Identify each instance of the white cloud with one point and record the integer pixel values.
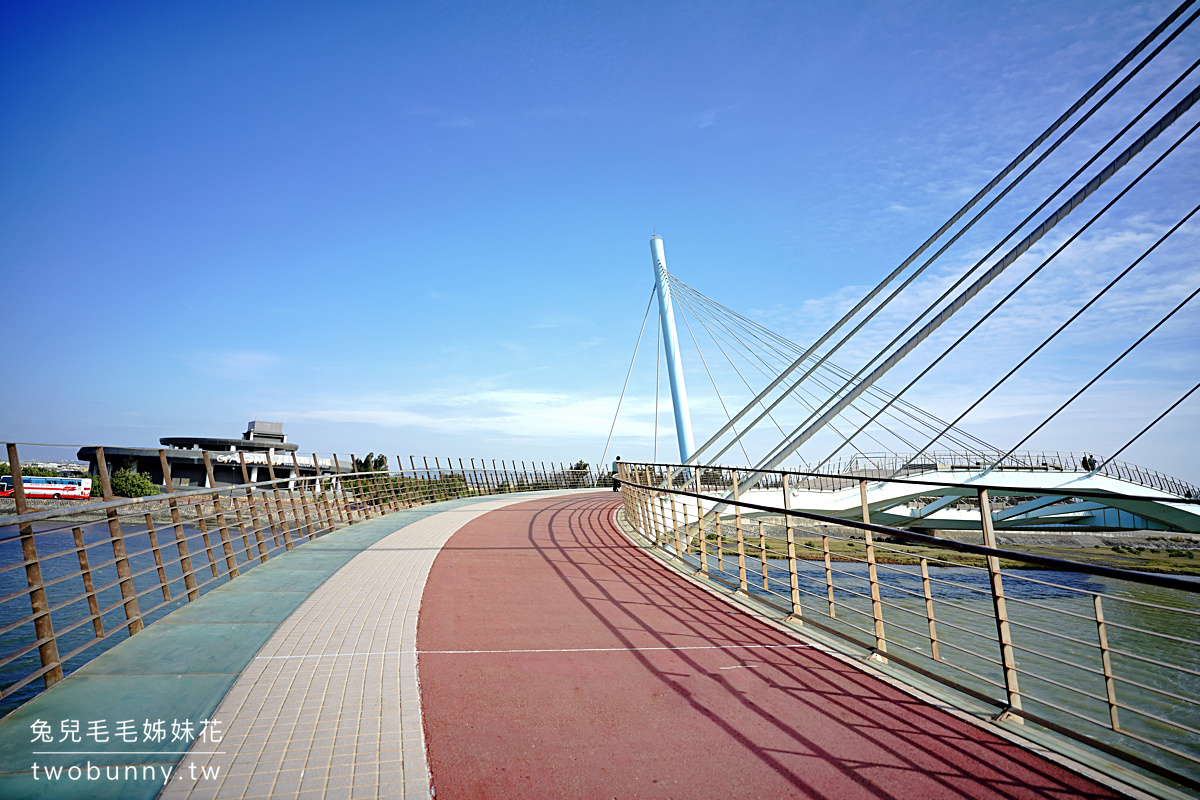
(506, 412)
(708, 118)
(234, 363)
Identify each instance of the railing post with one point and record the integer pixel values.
(872, 574)
(324, 513)
(648, 494)
(630, 495)
(660, 522)
(230, 559)
(212, 559)
(1110, 688)
(487, 477)
(43, 627)
(701, 536)
(720, 547)
(158, 562)
(634, 510)
(341, 485)
(634, 498)
(925, 585)
(645, 505)
(793, 575)
(743, 587)
(395, 487)
(133, 615)
(654, 500)
(687, 539)
(828, 573)
(287, 542)
(303, 497)
(237, 509)
(1007, 656)
(241, 523)
(185, 559)
(762, 554)
(675, 525)
(252, 504)
(88, 587)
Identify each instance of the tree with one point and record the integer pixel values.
(32, 472)
(578, 475)
(371, 463)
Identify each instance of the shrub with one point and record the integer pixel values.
(127, 483)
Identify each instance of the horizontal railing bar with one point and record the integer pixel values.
(1056, 660)
(1191, 701)
(853, 480)
(1154, 661)
(1075, 714)
(12, 688)
(1035, 676)
(1156, 634)
(957, 606)
(29, 648)
(1167, 582)
(207, 493)
(1143, 713)
(1064, 637)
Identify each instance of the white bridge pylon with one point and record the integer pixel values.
(822, 403)
(1033, 493)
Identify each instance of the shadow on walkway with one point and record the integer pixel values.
(586, 669)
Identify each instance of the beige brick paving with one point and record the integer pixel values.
(331, 708)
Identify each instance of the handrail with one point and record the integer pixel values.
(1084, 648)
(1149, 579)
(120, 502)
(165, 550)
(851, 480)
(1064, 461)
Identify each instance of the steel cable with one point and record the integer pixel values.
(1069, 320)
(762, 371)
(1037, 142)
(988, 276)
(1151, 425)
(624, 386)
(1025, 281)
(1102, 372)
(907, 409)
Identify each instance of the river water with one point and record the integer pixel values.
(1152, 636)
(56, 552)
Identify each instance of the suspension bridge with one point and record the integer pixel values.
(802, 622)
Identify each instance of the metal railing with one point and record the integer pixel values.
(78, 579)
(1104, 656)
(895, 465)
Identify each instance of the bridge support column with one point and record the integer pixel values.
(666, 315)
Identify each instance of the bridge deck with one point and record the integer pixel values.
(556, 659)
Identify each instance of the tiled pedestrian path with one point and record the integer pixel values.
(265, 656)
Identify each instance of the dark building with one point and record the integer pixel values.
(263, 444)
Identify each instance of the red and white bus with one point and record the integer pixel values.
(48, 487)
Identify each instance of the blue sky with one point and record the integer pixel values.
(422, 228)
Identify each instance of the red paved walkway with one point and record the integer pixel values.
(554, 575)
